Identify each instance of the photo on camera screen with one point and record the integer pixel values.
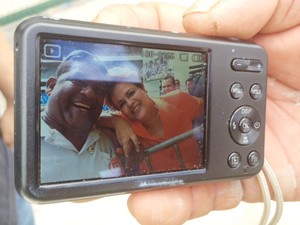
(92, 92)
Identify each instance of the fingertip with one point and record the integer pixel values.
(137, 148)
(117, 15)
(215, 196)
(150, 15)
(136, 143)
(126, 154)
(228, 194)
(165, 206)
(120, 151)
(230, 18)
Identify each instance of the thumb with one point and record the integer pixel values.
(228, 18)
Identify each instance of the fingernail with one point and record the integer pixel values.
(202, 6)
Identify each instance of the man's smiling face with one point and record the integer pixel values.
(77, 98)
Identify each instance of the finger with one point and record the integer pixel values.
(215, 196)
(283, 47)
(158, 206)
(8, 140)
(229, 18)
(285, 163)
(145, 15)
(285, 16)
(120, 151)
(127, 147)
(168, 206)
(136, 142)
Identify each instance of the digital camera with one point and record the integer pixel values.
(67, 73)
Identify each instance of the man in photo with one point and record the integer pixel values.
(168, 84)
(71, 147)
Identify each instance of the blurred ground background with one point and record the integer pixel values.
(113, 210)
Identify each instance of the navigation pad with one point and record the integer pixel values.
(245, 125)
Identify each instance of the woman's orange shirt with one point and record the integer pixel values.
(177, 111)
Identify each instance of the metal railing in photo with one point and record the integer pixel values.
(172, 142)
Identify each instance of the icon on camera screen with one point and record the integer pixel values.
(52, 51)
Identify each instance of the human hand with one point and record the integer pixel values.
(124, 133)
(126, 136)
(130, 149)
(7, 88)
(131, 163)
(274, 25)
(7, 126)
(51, 82)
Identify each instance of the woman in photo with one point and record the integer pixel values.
(155, 120)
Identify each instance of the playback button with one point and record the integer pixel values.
(234, 160)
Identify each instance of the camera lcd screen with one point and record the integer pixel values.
(90, 89)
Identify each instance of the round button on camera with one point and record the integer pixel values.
(253, 158)
(244, 125)
(234, 160)
(256, 91)
(236, 91)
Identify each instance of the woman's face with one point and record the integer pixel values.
(132, 101)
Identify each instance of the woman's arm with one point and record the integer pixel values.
(127, 139)
(124, 133)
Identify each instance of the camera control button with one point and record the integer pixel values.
(256, 125)
(255, 91)
(255, 65)
(253, 158)
(234, 160)
(247, 65)
(240, 64)
(236, 91)
(245, 125)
